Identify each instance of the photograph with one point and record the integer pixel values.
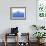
(18, 13)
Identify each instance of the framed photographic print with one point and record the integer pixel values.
(18, 13)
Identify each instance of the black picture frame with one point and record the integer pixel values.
(18, 13)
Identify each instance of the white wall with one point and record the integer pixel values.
(24, 25)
